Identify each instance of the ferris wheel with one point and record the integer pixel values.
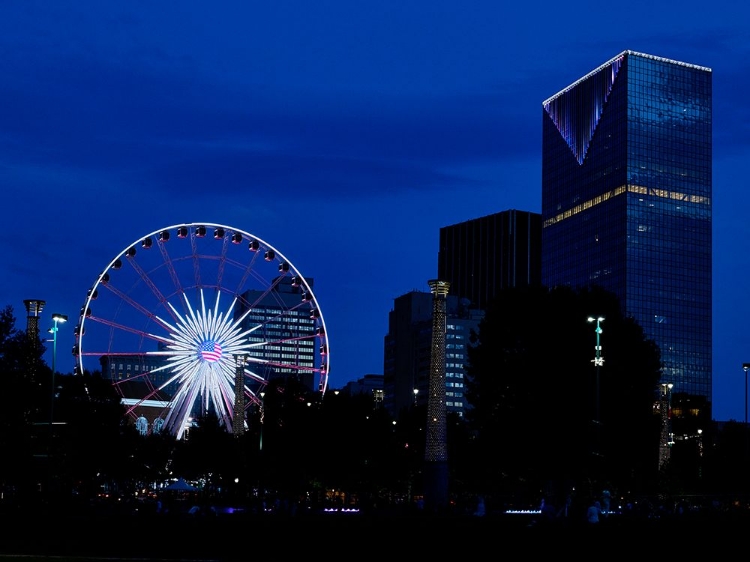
(197, 317)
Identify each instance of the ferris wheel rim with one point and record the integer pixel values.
(192, 227)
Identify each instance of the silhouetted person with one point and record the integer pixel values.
(593, 513)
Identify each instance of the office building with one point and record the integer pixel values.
(408, 347)
(285, 334)
(626, 201)
(481, 256)
(371, 385)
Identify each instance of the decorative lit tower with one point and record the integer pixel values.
(33, 311)
(436, 451)
(238, 423)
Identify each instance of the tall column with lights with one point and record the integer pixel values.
(436, 450)
(238, 421)
(34, 309)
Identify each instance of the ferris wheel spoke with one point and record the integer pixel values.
(123, 327)
(167, 260)
(196, 257)
(146, 279)
(125, 298)
(255, 377)
(223, 255)
(248, 270)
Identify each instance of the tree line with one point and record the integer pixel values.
(542, 422)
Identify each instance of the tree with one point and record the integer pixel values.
(359, 450)
(532, 386)
(726, 462)
(208, 453)
(24, 376)
(94, 442)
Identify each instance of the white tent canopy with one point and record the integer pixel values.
(181, 485)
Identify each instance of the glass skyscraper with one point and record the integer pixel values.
(626, 201)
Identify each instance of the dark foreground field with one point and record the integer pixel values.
(262, 538)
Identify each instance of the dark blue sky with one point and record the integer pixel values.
(345, 134)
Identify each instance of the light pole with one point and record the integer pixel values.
(57, 319)
(416, 391)
(598, 360)
(262, 416)
(596, 425)
(667, 436)
(670, 386)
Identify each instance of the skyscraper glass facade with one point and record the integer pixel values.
(626, 201)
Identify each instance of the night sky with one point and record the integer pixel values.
(345, 134)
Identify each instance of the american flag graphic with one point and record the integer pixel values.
(210, 351)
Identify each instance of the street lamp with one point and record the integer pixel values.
(667, 393)
(57, 319)
(598, 359)
(670, 386)
(416, 391)
(262, 416)
(666, 440)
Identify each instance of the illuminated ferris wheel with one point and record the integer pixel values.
(198, 317)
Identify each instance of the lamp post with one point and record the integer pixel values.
(667, 436)
(56, 319)
(596, 425)
(262, 416)
(670, 386)
(598, 360)
(416, 391)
